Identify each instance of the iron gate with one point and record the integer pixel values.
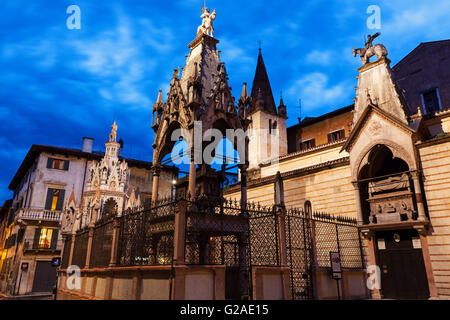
(299, 254)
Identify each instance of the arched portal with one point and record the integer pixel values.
(386, 188)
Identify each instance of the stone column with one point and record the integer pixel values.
(422, 231)
(180, 232)
(89, 247)
(419, 198)
(192, 175)
(281, 219)
(371, 259)
(115, 242)
(243, 171)
(72, 246)
(155, 188)
(358, 203)
(243, 244)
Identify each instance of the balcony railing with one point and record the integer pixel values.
(39, 214)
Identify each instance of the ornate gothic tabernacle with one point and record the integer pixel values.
(107, 193)
(201, 94)
(203, 97)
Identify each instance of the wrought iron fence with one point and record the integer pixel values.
(80, 248)
(338, 234)
(299, 253)
(146, 236)
(225, 232)
(216, 232)
(66, 252)
(102, 239)
(264, 248)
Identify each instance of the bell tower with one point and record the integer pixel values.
(268, 137)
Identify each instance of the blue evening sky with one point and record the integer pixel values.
(58, 85)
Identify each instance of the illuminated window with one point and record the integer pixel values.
(45, 238)
(55, 199)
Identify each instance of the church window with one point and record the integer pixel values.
(430, 100)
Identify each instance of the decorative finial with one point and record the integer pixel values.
(259, 42)
(244, 94)
(160, 98)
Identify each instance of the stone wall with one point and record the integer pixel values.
(328, 190)
(436, 169)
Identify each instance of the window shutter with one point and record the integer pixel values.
(49, 163)
(37, 233)
(313, 143)
(342, 133)
(48, 201)
(20, 235)
(54, 239)
(66, 165)
(59, 205)
(330, 138)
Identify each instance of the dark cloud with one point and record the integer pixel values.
(58, 85)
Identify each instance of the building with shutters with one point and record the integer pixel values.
(48, 180)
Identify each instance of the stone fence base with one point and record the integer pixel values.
(352, 286)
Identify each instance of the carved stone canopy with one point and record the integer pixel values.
(202, 93)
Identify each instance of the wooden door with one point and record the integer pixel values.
(44, 277)
(400, 259)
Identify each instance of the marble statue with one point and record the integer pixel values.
(370, 50)
(207, 23)
(113, 134)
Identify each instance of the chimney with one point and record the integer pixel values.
(87, 144)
